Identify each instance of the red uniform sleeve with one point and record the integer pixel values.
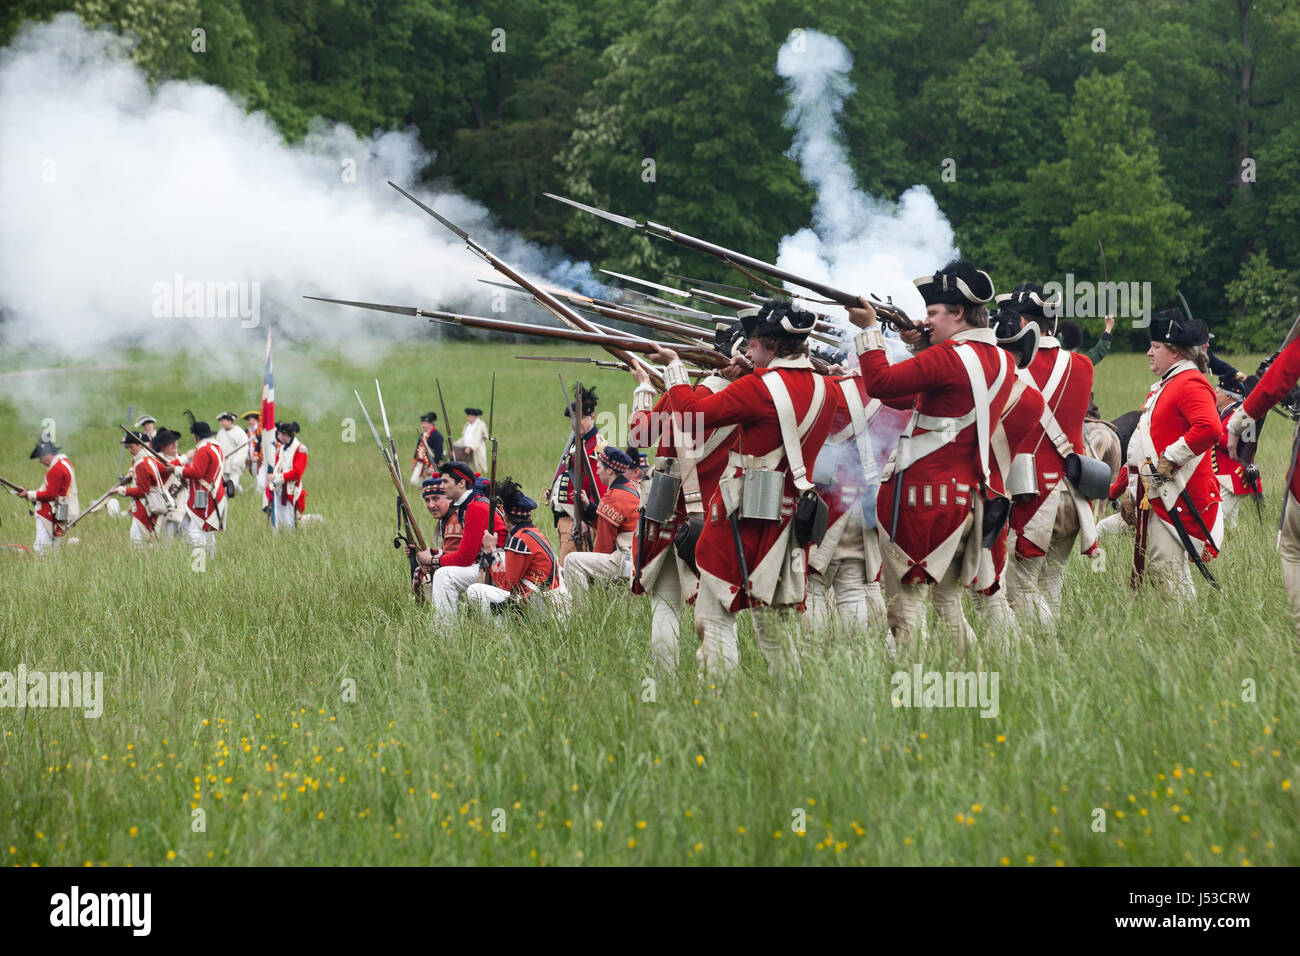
(471, 543)
(202, 466)
(1280, 378)
(1203, 423)
(897, 383)
(507, 577)
(57, 481)
(741, 401)
(143, 480)
(299, 466)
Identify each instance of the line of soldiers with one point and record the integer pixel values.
(174, 495)
(861, 496)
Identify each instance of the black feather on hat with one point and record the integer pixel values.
(588, 403)
(957, 283)
(777, 319)
(513, 500)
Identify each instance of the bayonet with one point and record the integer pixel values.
(647, 283)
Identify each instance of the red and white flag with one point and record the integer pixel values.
(268, 412)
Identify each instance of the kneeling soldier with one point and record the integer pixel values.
(616, 521)
(528, 565)
(454, 571)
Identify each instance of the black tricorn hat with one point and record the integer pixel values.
(135, 438)
(513, 500)
(230, 415)
(201, 430)
(289, 428)
(957, 283)
(777, 319)
(474, 411)
(164, 437)
(1172, 327)
(588, 403)
(729, 338)
(44, 447)
(429, 417)
(1032, 302)
(1020, 342)
(1233, 385)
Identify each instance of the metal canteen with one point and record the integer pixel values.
(762, 493)
(1022, 476)
(661, 500)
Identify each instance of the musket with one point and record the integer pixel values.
(748, 265)
(446, 422)
(580, 535)
(130, 411)
(1154, 479)
(10, 486)
(393, 474)
(553, 305)
(613, 310)
(599, 363)
(149, 448)
(96, 503)
(402, 534)
(485, 564)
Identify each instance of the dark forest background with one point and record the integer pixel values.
(1169, 129)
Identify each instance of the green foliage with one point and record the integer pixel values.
(1267, 300)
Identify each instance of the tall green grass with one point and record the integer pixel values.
(225, 688)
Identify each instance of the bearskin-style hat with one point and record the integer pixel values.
(164, 437)
(615, 459)
(462, 471)
(729, 337)
(957, 283)
(44, 447)
(588, 403)
(135, 438)
(777, 319)
(429, 417)
(514, 502)
(1172, 327)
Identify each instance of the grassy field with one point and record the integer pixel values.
(224, 688)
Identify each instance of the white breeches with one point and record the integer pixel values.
(449, 584)
(581, 568)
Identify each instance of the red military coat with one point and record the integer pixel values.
(60, 482)
(589, 480)
(292, 490)
(1065, 381)
(1232, 473)
(528, 563)
(938, 490)
(616, 516)
(1181, 420)
(204, 472)
(776, 564)
(472, 514)
(712, 449)
(1017, 430)
(1272, 388)
(146, 475)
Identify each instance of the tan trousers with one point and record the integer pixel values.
(564, 527)
(775, 631)
(1034, 584)
(1289, 545)
(906, 602)
(1167, 566)
(583, 567)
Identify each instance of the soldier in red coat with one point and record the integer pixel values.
(931, 505)
(455, 570)
(285, 486)
(1046, 521)
(691, 473)
(1018, 429)
(1237, 481)
(615, 518)
(527, 570)
(56, 499)
(1171, 481)
(560, 495)
(1276, 383)
(148, 489)
(205, 508)
(749, 553)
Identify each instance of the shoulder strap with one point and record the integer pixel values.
(791, 433)
(981, 391)
(1058, 372)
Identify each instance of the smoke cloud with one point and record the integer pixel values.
(857, 242)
